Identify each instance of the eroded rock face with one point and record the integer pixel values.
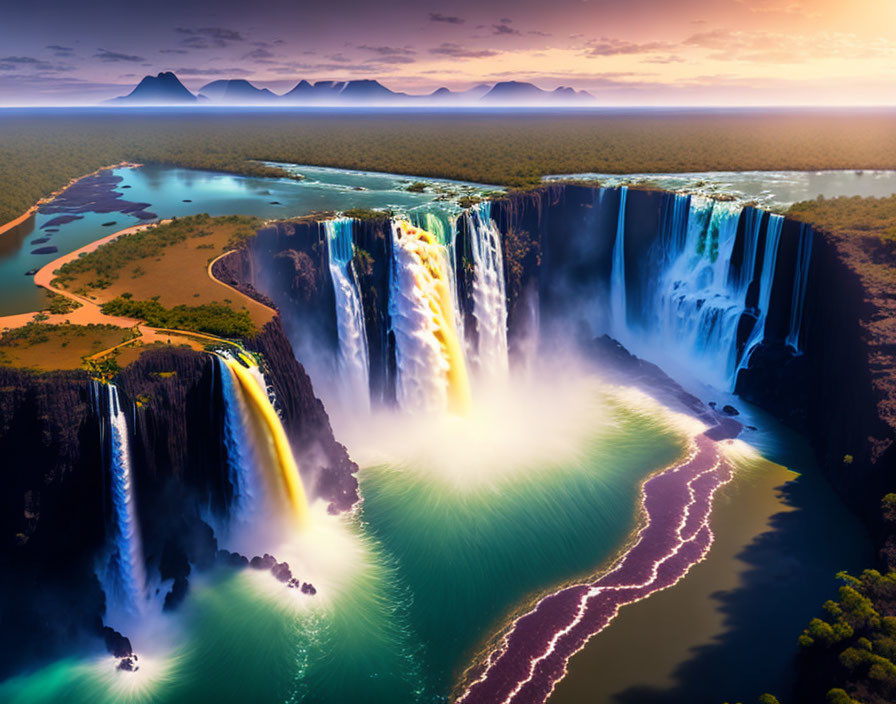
(53, 509)
(839, 392)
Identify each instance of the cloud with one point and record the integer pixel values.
(62, 51)
(448, 19)
(208, 37)
(173, 51)
(260, 53)
(114, 56)
(504, 28)
(537, 33)
(460, 52)
(612, 46)
(388, 50)
(391, 60)
(212, 72)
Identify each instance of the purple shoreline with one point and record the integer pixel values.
(532, 656)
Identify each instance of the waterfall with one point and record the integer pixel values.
(431, 367)
(124, 578)
(617, 274)
(696, 305)
(444, 230)
(353, 360)
(241, 467)
(271, 435)
(489, 295)
(800, 280)
(766, 282)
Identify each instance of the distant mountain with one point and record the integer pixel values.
(237, 91)
(447, 95)
(163, 89)
(516, 92)
(167, 89)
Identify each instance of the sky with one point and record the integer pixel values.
(625, 52)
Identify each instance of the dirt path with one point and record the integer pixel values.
(90, 312)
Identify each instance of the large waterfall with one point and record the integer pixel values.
(694, 291)
(800, 279)
(432, 373)
(123, 575)
(489, 292)
(271, 441)
(766, 281)
(353, 360)
(618, 308)
(241, 458)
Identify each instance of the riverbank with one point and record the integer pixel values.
(764, 578)
(46, 199)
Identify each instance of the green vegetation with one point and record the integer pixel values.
(850, 216)
(367, 214)
(213, 318)
(106, 263)
(60, 305)
(850, 654)
(46, 347)
(41, 151)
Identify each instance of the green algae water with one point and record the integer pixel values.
(438, 557)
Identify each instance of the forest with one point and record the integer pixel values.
(40, 151)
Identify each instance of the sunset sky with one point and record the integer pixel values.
(630, 52)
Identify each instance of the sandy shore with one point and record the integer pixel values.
(33, 209)
(89, 312)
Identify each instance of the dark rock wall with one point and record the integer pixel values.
(826, 393)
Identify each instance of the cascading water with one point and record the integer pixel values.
(354, 365)
(270, 434)
(800, 280)
(697, 306)
(489, 294)
(124, 577)
(766, 282)
(241, 463)
(432, 373)
(617, 275)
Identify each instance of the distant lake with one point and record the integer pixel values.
(175, 192)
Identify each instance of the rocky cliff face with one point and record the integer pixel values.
(51, 512)
(55, 505)
(839, 392)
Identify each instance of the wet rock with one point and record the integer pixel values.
(117, 644)
(109, 224)
(232, 559)
(266, 562)
(40, 240)
(293, 583)
(729, 410)
(45, 250)
(308, 588)
(282, 572)
(178, 593)
(129, 664)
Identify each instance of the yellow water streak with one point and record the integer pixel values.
(288, 471)
(433, 281)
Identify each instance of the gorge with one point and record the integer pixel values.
(441, 328)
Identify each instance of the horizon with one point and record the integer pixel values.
(640, 53)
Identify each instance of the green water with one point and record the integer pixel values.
(410, 586)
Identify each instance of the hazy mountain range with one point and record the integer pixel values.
(166, 89)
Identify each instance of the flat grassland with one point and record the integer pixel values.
(160, 275)
(43, 347)
(41, 150)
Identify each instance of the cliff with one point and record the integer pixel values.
(56, 506)
(839, 391)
